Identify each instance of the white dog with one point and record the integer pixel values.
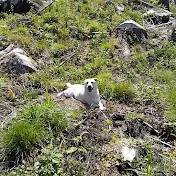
(87, 93)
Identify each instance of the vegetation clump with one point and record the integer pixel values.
(37, 123)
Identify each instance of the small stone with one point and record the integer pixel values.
(120, 7)
(109, 2)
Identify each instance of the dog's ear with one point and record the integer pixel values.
(95, 79)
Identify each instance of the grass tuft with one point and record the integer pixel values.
(39, 122)
(20, 138)
(171, 101)
(123, 91)
(46, 113)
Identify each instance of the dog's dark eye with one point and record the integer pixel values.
(91, 82)
(86, 82)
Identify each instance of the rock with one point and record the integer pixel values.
(157, 16)
(17, 6)
(165, 3)
(120, 7)
(132, 30)
(7, 50)
(15, 62)
(118, 116)
(108, 2)
(173, 31)
(173, 35)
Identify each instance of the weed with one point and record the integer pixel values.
(39, 122)
(2, 80)
(96, 65)
(124, 91)
(164, 76)
(41, 79)
(59, 47)
(140, 63)
(72, 73)
(32, 94)
(170, 95)
(134, 116)
(149, 93)
(95, 26)
(166, 56)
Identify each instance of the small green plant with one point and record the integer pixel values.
(149, 93)
(95, 26)
(124, 91)
(59, 47)
(2, 80)
(166, 55)
(32, 94)
(72, 73)
(164, 76)
(134, 116)
(140, 63)
(170, 95)
(39, 122)
(50, 162)
(41, 79)
(20, 139)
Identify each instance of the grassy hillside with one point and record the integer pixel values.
(71, 41)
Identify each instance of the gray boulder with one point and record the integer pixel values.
(17, 6)
(16, 62)
(133, 30)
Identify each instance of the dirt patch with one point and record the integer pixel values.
(100, 136)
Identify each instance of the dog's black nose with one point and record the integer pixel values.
(89, 87)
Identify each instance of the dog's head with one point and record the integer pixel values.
(91, 84)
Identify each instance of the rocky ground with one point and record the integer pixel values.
(135, 75)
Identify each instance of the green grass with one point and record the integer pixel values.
(38, 123)
(122, 91)
(170, 98)
(47, 113)
(72, 41)
(164, 76)
(20, 139)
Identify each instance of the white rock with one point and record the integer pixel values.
(128, 153)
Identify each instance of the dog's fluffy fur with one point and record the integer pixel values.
(87, 93)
